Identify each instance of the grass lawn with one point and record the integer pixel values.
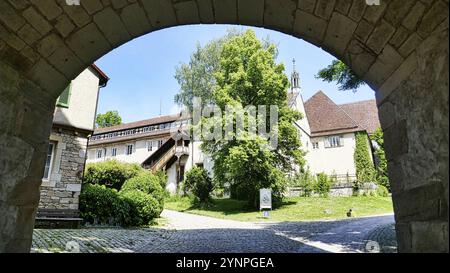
(293, 209)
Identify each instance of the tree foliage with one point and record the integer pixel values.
(199, 183)
(196, 78)
(339, 72)
(108, 119)
(382, 170)
(249, 75)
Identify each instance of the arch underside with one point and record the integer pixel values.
(399, 48)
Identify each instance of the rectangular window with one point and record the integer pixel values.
(49, 161)
(160, 143)
(129, 149)
(315, 145)
(99, 153)
(114, 152)
(149, 146)
(64, 98)
(333, 142)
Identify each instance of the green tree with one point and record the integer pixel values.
(382, 171)
(108, 119)
(249, 75)
(196, 79)
(339, 72)
(365, 170)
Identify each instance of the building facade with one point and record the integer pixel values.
(328, 130)
(73, 123)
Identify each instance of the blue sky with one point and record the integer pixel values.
(142, 71)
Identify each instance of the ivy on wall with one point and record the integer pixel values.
(365, 170)
(382, 171)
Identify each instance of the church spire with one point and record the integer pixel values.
(295, 78)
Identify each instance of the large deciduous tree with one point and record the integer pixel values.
(249, 75)
(108, 119)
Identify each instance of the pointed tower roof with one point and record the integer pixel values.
(326, 117)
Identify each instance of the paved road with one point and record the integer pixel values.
(193, 233)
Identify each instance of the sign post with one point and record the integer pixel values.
(265, 201)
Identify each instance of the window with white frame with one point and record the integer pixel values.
(315, 145)
(160, 143)
(99, 153)
(129, 150)
(333, 142)
(149, 146)
(49, 161)
(114, 152)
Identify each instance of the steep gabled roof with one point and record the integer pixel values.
(325, 117)
(365, 113)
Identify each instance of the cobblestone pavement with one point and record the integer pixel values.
(193, 233)
(385, 236)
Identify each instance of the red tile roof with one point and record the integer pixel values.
(365, 113)
(325, 117)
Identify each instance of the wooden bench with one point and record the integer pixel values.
(57, 218)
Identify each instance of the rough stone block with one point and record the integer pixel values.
(309, 27)
(339, 33)
(135, 20)
(324, 8)
(225, 11)
(279, 15)
(112, 27)
(160, 13)
(49, 8)
(37, 21)
(88, 43)
(387, 62)
(251, 12)
(380, 36)
(205, 9)
(187, 12)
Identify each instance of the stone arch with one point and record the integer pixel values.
(399, 48)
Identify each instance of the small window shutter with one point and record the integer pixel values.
(63, 100)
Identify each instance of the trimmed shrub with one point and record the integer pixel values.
(323, 184)
(99, 204)
(110, 173)
(199, 183)
(102, 205)
(147, 183)
(382, 191)
(144, 207)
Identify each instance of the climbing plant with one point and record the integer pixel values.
(365, 170)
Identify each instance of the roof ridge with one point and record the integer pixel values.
(355, 102)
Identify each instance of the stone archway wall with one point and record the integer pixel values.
(399, 47)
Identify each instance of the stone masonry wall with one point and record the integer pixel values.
(63, 189)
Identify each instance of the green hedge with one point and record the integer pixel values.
(110, 173)
(144, 207)
(101, 205)
(147, 183)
